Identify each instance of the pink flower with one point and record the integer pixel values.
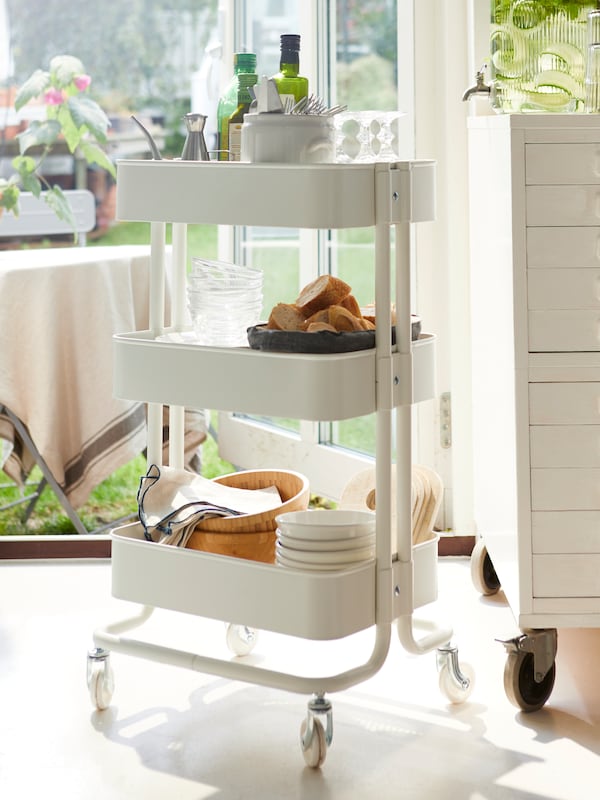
(82, 82)
(53, 97)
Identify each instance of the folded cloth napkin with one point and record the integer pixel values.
(171, 502)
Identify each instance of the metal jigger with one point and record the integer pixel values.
(194, 148)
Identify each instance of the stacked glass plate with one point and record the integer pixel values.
(325, 540)
(224, 301)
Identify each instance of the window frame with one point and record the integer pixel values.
(243, 441)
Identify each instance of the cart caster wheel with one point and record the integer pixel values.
(457, 690)
(240, 639)
(520, 685)
(315, 750)
(483, 574)
(456, 680)
(100, 678)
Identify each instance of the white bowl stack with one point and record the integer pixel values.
(325, 540)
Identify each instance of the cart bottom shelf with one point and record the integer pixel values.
(312, 605)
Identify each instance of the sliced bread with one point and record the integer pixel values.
(286, 317)
(324, 291)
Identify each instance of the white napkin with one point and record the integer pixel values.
(172, 501)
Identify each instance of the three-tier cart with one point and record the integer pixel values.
(387, 379)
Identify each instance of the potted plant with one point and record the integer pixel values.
(72, 116)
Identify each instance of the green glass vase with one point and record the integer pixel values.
(538, 53)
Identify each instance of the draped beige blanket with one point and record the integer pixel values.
(59, 309)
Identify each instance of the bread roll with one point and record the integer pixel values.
(351, 303)
(316, 327)
(343, 320)
(320, 317)
(326, 290)
(286, 317)
(366, 324)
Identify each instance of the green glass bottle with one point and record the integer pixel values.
(289, 83)
(236, 94)
(232, 126)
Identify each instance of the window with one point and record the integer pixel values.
(349, 53)
(419, 57)
(436, 48)
(142, 58)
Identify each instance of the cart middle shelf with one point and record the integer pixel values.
(304, 386)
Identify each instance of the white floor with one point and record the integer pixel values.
(177, 734)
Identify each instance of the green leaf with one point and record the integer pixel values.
(34, 86)
(32, 184)
(57, 201)
(24, 164)
(64, 68)
(86, 111)
(70, 130)
(95, 155)
(39, 133)
(9, 198)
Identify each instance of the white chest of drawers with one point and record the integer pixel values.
(535, 278)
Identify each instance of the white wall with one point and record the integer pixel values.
(442, 73)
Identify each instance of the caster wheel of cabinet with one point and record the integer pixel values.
(483, 574)
(314, 752)
(452, 687)
(101, 682)
(520, 685)
(240, 639)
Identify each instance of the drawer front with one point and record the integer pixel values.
(571, 575)
(574, 446)
(563, 205)
(565, 489)
(573, 288)
(564, 331)
(565, 531)
(563, 247)
(564, 403)
(565, 163)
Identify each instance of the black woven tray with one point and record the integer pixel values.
(262, 338)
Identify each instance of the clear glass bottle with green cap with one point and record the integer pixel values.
(290, 84)
(234, 102)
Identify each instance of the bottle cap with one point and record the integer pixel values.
(245, 60)
(247, 79)
(290, 41)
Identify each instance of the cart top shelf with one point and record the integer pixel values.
(276, 195)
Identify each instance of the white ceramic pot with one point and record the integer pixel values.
(288, 139)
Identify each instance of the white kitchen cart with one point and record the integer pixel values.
(535, 222)
(387, 380)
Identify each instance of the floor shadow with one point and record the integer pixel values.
(410, 750)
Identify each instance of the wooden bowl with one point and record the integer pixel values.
(251, 535)
(253, 546)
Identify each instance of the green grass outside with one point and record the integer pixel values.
(113, 499)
